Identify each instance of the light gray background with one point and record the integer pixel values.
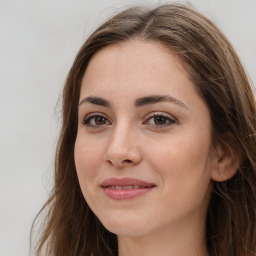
(38, 42)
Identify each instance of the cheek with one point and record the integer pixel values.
(182, 160)
(87, 159)
(186, 176)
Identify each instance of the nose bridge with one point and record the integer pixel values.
(123, 147)
(120, 140)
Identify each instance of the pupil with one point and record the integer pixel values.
(99, 120)
(160, 120)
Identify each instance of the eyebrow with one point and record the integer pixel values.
(158, 98)
(96, 101)
(152, 99)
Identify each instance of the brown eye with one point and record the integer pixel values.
(100, 120)
(160, 120)
(96, 120)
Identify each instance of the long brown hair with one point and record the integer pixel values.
(70, 227)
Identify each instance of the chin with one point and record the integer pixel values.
(125, 225)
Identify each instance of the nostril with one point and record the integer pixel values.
(119, 164)
(127, 161)
(109, 162)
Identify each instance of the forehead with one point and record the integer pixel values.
(135, 62)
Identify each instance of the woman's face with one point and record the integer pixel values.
(143, 150)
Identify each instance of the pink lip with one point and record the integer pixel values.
(127, 193)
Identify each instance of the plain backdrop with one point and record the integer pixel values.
(38, 42)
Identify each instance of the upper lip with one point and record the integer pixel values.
(125, 182)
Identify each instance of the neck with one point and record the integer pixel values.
(180, 241)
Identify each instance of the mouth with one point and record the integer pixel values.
(125, 188)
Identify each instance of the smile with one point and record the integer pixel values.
(125, 188)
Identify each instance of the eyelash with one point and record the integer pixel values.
(168, 119)
(91, 116)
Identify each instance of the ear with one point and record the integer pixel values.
(228, 162)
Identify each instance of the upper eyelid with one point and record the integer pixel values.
(93, 114)
(160, 113)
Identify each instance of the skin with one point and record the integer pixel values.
(128, 142)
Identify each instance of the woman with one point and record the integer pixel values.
(156, 155)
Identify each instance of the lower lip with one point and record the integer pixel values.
(121, 194)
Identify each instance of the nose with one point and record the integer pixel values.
(123, 148)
